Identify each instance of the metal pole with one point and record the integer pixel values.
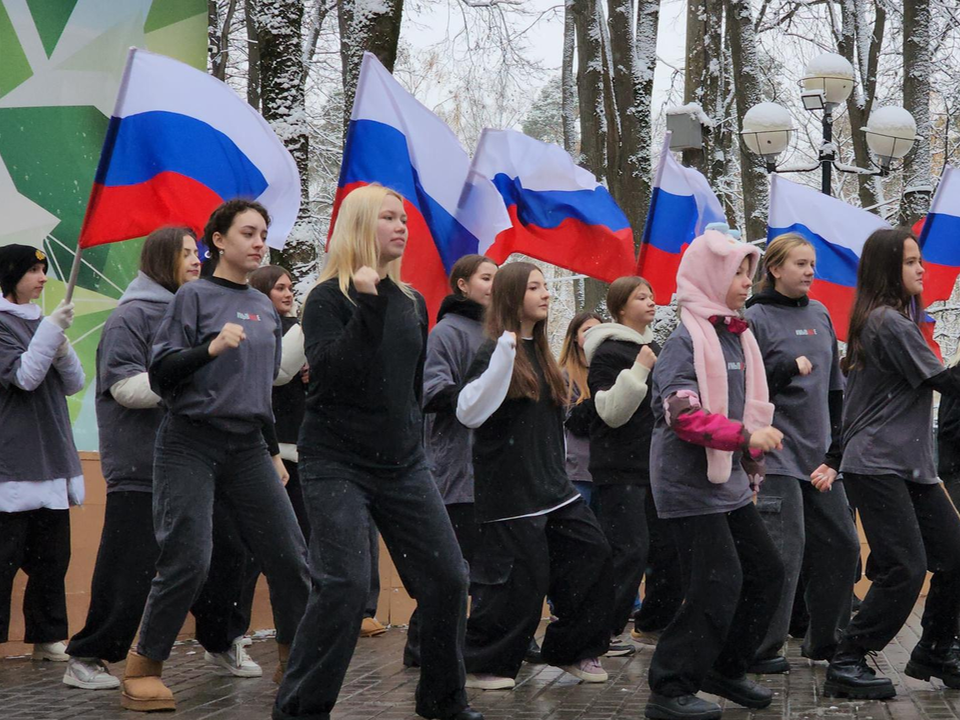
(74, 272)
(826, 159)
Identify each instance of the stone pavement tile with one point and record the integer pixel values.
(377, 686)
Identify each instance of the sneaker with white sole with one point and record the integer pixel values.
(485, 681)
(234, 661)
(588, 670)
(89, 674)
(53, 651)
(619, 647)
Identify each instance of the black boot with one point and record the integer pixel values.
(939, 660)
(740, 690)
(468, 713)
(685, 707)
(849, 676)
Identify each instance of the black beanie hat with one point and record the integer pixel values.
(15, 261)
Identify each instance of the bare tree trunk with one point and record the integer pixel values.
(747, 91)
(253, 54)
(568, 88)
(282, 78)
(220, 38)
(633, 50)
(323, 9)
(366, 27)
(701, 78)
(854, 32)
(593, 122)
(916, 98)
(213, 35)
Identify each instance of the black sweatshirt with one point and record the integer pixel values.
(518, 455)
(619, 455)
(289, 400)
(366, 359)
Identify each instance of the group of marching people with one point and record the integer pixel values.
(721, 467)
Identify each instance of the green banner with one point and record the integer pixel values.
(60, 67)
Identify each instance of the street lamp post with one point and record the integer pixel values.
(827, 83)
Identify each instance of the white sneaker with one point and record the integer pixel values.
(246, 641)
(486, 681)
(588, 670)
(53, 651)
(234, 661)
(89, 674)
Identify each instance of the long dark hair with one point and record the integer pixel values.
(506, 304)
(572, 359)
(162, 255)
(266, 276)
(879, 284)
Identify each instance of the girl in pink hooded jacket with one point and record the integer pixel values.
(712, 424)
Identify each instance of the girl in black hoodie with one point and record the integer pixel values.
(537, 535)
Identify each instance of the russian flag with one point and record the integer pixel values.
(682, 204)
(940, 239)
(836, 230)
(558, 212)
(179, 144)
(397, 142)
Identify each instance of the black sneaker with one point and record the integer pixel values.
(685, 707)
(939, 660)
(740, 690)
(849, 676)
(769, 666)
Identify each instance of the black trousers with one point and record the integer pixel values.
(37, 542)
(911, 528)
(516, 564)
(733, 577)
(621, 513)
(663, 593)
(342, 500)
(464, 521)
(126, 564)
(193, 464)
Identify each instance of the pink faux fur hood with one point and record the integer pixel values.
(706, 270)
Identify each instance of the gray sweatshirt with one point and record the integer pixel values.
(127, 435)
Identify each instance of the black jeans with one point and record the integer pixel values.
(815, 535)
(464, 521)
(663, 592)
(733, 577)
(911, 528)
(520, 561)
(407, 509)
(37, 542)
(622, 516)
(126, 564)
(192, 463)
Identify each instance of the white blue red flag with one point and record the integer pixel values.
(558, 212)
(179, 144)
(940, 238)
(397, 142)
(836, 230)
(682, 204)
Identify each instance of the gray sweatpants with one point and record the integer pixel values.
(816, 536)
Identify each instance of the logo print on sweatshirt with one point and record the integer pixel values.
(248, 316)
(735, 366)
(809, 331)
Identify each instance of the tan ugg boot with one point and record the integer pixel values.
(283, 651)
(143, 690)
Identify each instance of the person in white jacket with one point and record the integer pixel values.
(40, 475)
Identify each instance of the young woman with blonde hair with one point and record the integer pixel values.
(362, 461)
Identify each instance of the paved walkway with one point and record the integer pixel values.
(378, 686)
